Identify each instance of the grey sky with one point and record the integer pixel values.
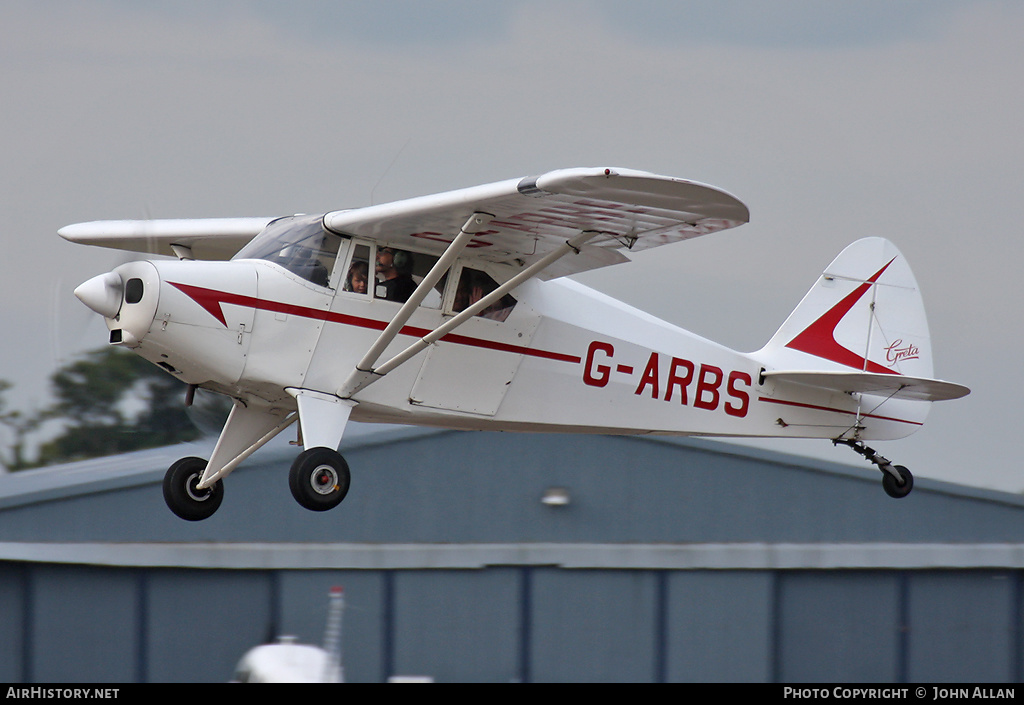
(831, 120)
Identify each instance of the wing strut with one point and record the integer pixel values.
(365, 375)
(476, 223)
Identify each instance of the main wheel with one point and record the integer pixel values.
(181, 494)
(895, 489)
(319, 479)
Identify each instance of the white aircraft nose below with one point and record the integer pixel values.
(102, 294)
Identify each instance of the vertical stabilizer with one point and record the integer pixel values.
(864, 314)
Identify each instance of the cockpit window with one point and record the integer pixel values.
(299, 244)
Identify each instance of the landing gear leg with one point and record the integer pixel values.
(896, 479)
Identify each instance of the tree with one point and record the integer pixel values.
(112, 402)
(20, 425)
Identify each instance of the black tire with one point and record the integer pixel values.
(181, 494)
(893, 488)
(319, 479)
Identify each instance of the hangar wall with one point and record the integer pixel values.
(518, 623)
(673, 561)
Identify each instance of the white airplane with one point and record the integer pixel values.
(454, 310)
(287, 661)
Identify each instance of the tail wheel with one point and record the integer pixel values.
(319, 479)
(182, 495)
(893, 487)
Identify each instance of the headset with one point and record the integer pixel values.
(402, 260)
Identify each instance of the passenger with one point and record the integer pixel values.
(499, 310)
(470, 289)
(358, 276)
(394, 270)
(461, 302)
(475, 285)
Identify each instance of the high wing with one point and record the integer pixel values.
(198, 238)
(531, 217)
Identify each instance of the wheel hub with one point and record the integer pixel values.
(194, 493)
(324, 480)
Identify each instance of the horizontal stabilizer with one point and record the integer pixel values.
(885, 385)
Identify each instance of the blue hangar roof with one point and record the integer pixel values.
(417, 492)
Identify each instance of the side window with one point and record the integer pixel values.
(357, 279)
(473, 286)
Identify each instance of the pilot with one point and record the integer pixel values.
(394, 272)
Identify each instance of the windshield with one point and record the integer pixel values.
(299, 244)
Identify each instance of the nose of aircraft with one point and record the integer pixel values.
(102, 294)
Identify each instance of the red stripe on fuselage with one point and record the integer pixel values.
(212, 300)
(815, 407)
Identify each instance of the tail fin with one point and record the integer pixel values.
(861, 328)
